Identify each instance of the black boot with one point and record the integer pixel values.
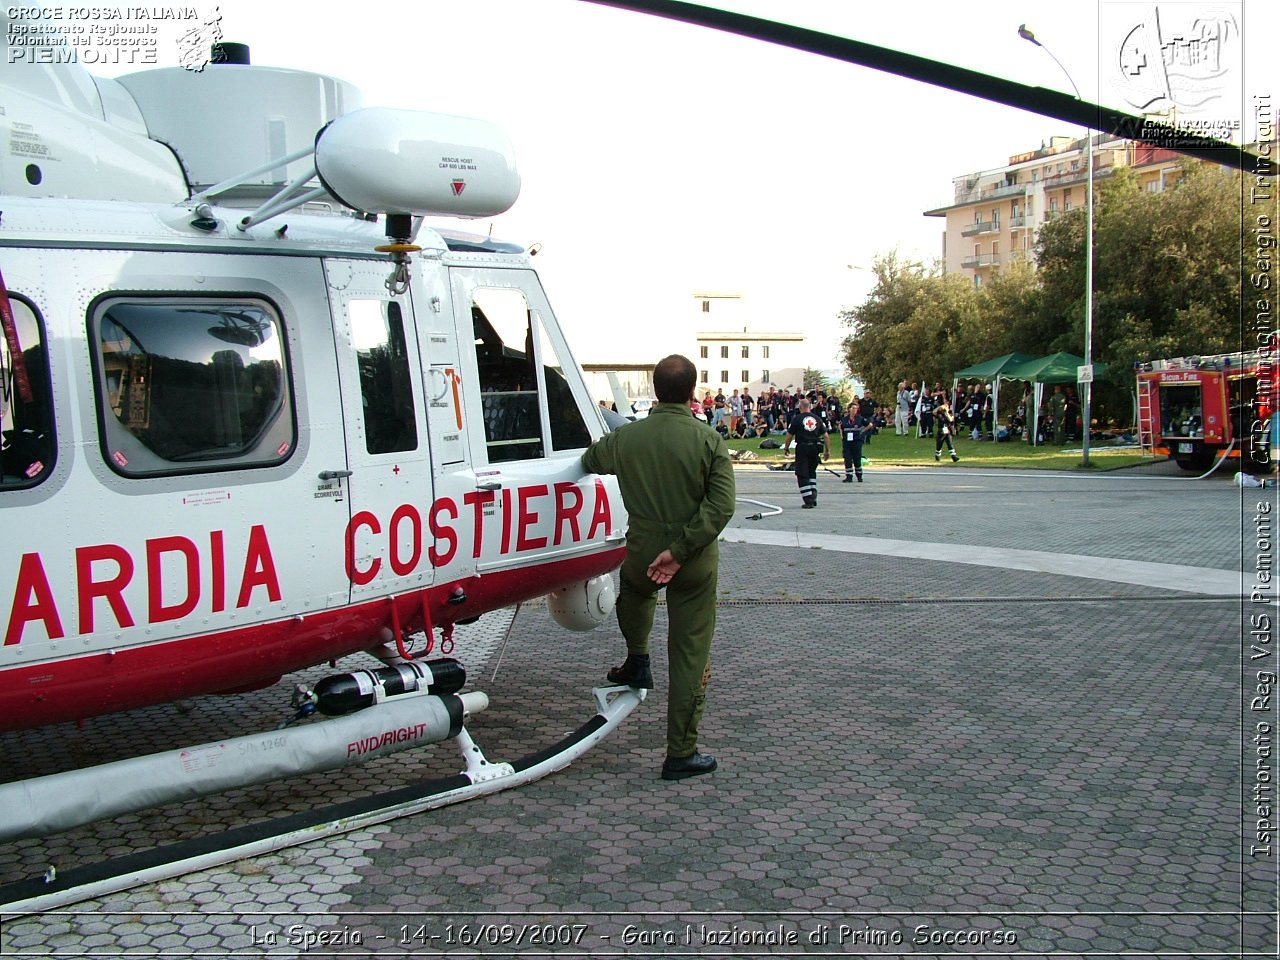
(634, 672)
(677, 768)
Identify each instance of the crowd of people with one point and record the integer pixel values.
(741, 415)
(973, 407)
(1059, 420)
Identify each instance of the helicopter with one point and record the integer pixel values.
(255, 413)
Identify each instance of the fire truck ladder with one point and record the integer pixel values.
(1147, 417)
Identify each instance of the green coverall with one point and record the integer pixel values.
(1058, 407)
(677, 484)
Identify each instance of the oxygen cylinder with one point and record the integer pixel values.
(347, 692)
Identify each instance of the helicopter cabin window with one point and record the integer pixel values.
(529, 407)
(26, 406)
(568, 429)
(386, 390)
(191, 385)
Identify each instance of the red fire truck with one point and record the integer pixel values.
(1192, 409)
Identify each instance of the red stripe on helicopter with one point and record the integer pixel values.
(105, 571)
(73, 688)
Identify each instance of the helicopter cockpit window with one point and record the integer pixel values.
(519, 383)
(26, 406)
(386, 390)
(191, 385)
(568, 428)
(508, 375)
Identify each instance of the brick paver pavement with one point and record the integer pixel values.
(918, 756)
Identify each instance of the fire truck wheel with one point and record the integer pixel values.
(1198, 463)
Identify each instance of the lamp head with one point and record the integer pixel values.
(1026, 34)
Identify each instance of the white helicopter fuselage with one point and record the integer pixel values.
(233, 452)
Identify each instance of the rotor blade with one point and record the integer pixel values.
(1048, 103)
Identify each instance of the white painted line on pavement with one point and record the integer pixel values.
(1166, 576)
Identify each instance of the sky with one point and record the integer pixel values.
(659, 159)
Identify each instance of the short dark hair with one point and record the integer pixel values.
(674, 378)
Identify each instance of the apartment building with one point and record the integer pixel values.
(996, 213)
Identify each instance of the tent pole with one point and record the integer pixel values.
(995, 406)
(1037, 393)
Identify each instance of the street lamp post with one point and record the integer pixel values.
(1086, 387)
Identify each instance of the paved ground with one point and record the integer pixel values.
(920, 755)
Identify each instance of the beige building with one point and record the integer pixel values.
(730, 355)
(996, 213)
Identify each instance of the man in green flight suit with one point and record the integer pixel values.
(677, 484)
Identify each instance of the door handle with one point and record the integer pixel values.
(488, 484)
(334, 474)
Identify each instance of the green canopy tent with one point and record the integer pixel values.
(1055, 368)
(991, 371)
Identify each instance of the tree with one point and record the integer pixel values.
(815, 380)
(1012, 315)
(1166, 282)
(1167, 269)
(916, 323)
(869, 353)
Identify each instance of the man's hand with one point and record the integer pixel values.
(663, 568)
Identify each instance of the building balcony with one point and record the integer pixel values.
(1062, 179)
(966, 194)
(978, 227)
(1076, 176)
(1004, 190)
(1017, 223)
(980, 260)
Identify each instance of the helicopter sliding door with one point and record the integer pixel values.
(169, 491)
(534, 503)
(388, 475)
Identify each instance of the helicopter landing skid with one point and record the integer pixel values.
(55, 889)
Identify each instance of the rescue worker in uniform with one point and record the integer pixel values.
(1058, 409)
(812, 441)
(677, 484)
(944, 427)
(853, 428)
